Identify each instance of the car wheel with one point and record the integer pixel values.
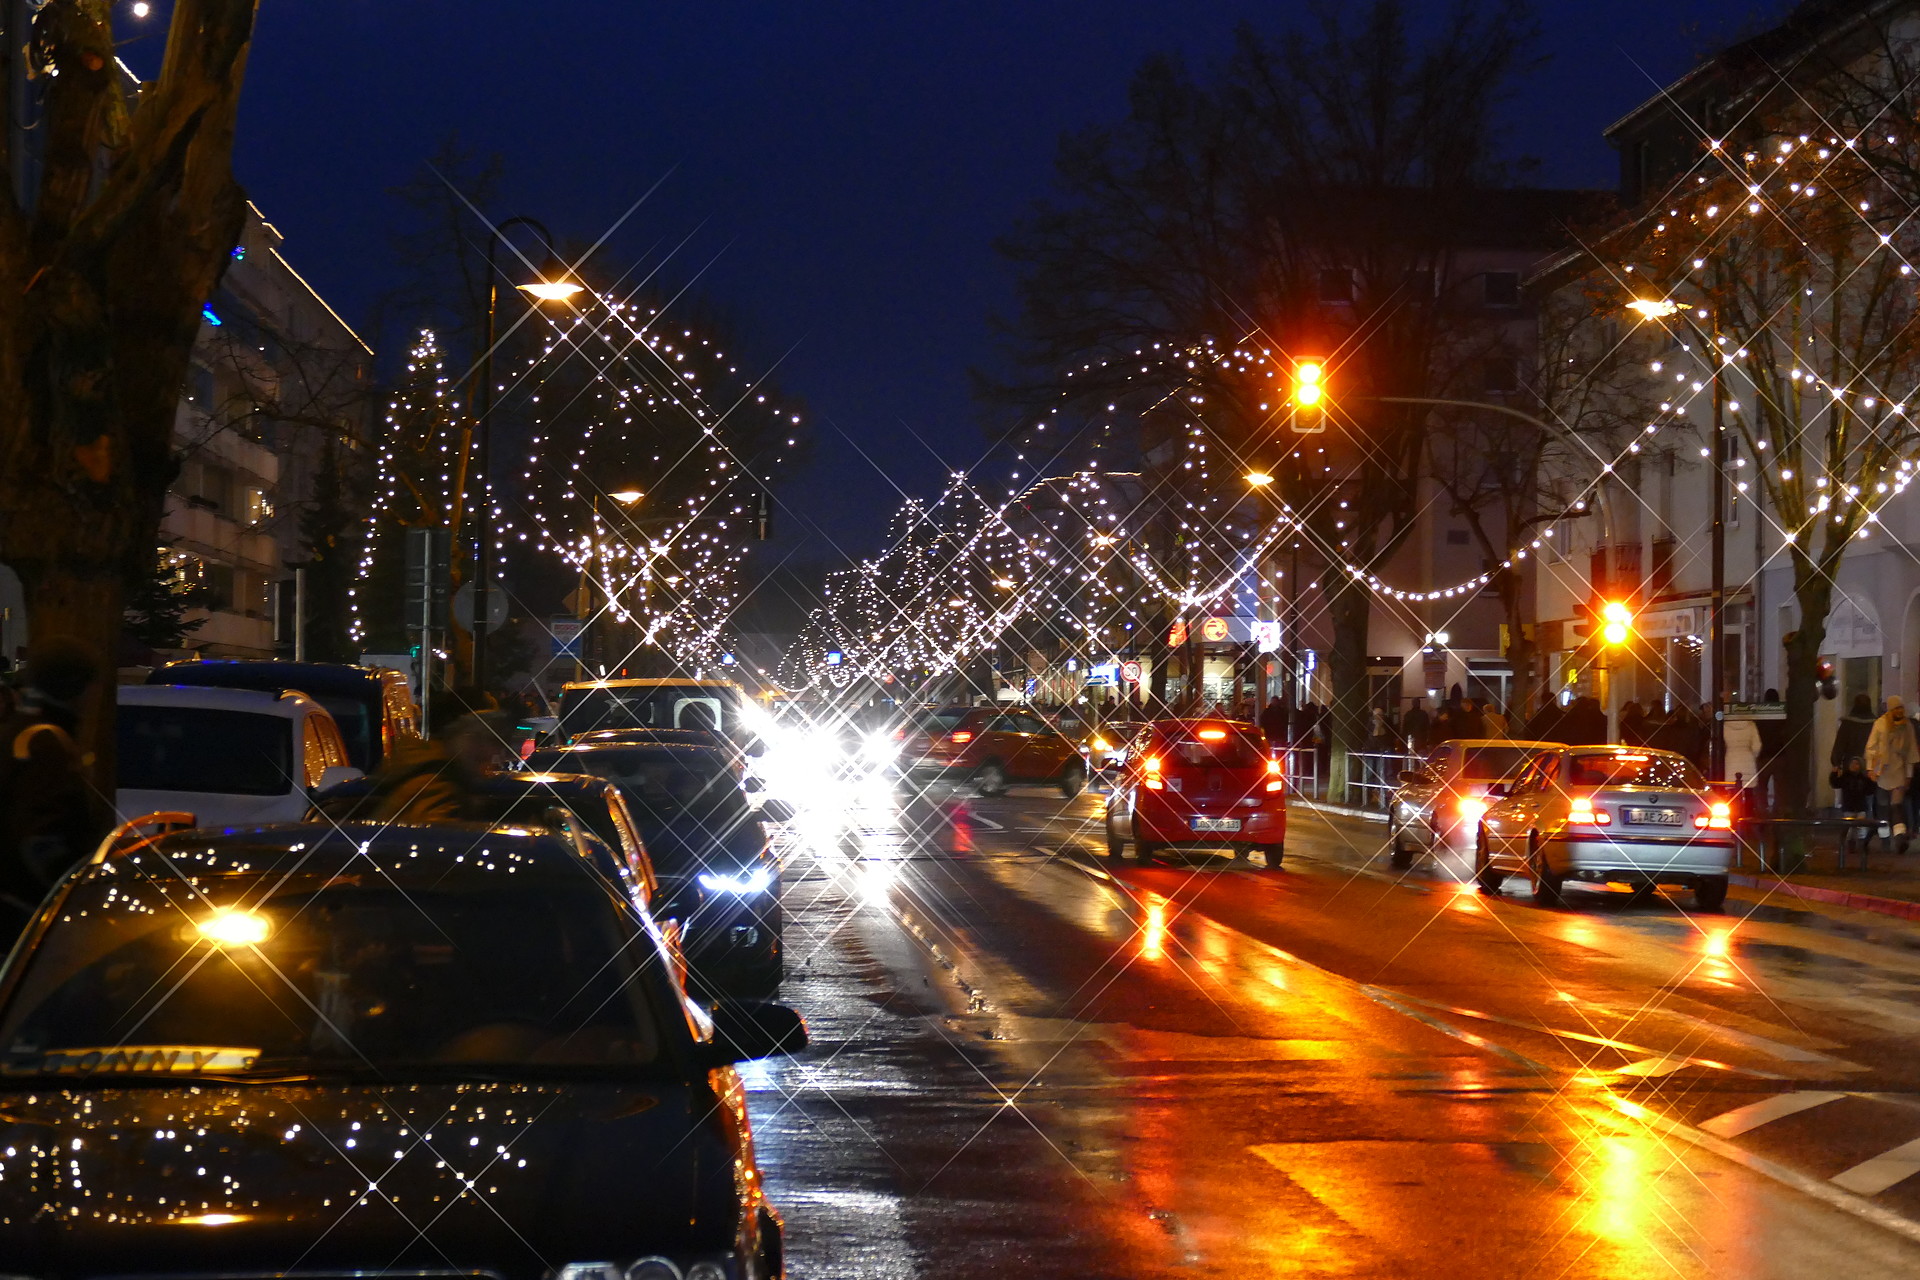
(1147, 850)
(1710, 894)
(1397, 852)
(1116, 847)
(1242, 853)
(1274, 853)
(1485, 878)
(1073, 779)
(990, 779)
(1546, 885)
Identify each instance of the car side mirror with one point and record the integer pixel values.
(776, 811)
(747, 1029)
(335, 774)
(1409, 777)
(1498, 789)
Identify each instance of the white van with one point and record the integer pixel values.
(230, 757)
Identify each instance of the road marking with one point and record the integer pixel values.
(1648, 1068)
(1871, 1177)
(988, 823)
(1806, 1184)
(1389, 1000)
(1740, 1120)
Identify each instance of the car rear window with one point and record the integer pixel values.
(1632, 769)
(299, 972)
(942, 721)
(1487, 763)
(649, 707)
(204, 749)
(1235, 749)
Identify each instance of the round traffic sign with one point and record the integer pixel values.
(1130, 672)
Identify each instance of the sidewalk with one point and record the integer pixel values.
(1888, 885)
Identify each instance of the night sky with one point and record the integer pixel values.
(846, 167)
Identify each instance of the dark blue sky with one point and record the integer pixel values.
(851, 162)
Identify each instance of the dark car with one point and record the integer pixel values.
(1188, 783)
(372, 705)
(708, 844)
(991, 748)
(446, 1051)
(581, 806)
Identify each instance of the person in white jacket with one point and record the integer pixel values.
(1892, 752)
(1742, 737)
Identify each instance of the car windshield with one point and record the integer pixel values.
(686, 790)
(1233, 749)
(277, 973)
(1632, 769)
(648, 707)
(1490, 763)
(205, 749)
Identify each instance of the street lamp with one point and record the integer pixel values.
(1661, 309)
(626, 497)
(552, 286)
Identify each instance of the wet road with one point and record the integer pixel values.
(1028, 1056)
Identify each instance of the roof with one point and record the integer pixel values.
(663, 750)
(459, 848)
(1501, 742)
(647, 683)
(245, 673)
(288, 705)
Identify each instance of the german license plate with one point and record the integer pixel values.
(1216, 824)
(1654, 817)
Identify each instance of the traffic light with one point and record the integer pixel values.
(1309, 396)
(1616, 623)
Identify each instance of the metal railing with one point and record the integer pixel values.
(1372, 776)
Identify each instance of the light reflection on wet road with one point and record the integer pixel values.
(1027, 1057)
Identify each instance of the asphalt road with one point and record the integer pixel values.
(1031, 1059)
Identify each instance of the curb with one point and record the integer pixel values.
(1342, 810)
(1839, 897)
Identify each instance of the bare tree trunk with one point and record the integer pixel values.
(82, 604)
(1814, 592)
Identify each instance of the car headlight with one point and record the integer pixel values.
(1472, 808)
(758, 880)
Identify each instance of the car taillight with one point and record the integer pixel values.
(1581, 810)
(1719, 816)
(1151, 765)
(1471, 808)
(962, 736)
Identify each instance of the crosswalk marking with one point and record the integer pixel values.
(1871, 1177)
(1766, 1111)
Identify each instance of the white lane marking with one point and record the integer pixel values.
(1742, 1119)
(1871, 1177)
(988, 823)
(1651, 1067)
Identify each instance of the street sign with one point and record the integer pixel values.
(566, 634)
(496, 607)
(1130, 672)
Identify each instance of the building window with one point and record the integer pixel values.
(1660, 579)
(1597, 572)
(1502, 288)
(1417, 285)
(1336, 284)
(258, 508)
(1500, 376)
(1626, 566)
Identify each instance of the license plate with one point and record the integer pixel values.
(1654, 817)
(1216, 824)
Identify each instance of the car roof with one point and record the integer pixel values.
(437, 850)
(1619, 748)
(659, 682)
(664, 750)
(561, 784)
(288, 705)
(326, 677)
(1526, 743)
(1190, 721)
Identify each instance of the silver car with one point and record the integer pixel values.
(1437, 807)
(1608, 815)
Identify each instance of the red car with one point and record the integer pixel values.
(989, 747)
(1196, 783)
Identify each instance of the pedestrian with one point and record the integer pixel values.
(1273, 722)
(1850, 738)
(1892, 751)
(1742, 741)
(434, 780)
(51, 816)
(1773, 739)
(1379, 735)
(1584, 724)
(1855, 790)
(1633, 724)
(1418, 725)
(1471, 723)
(1493, 721)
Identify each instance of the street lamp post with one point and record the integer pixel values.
(551, 287)
(1659, 309)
